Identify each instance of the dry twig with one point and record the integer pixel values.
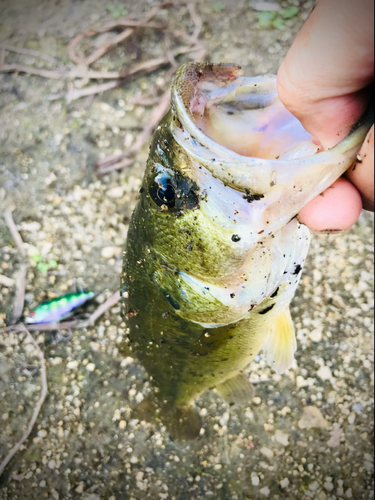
(116, 162)
(21, 274)
(43, 395)
(7, 282)
(19, 68)
(125, 23)
(19, 299)
(14, 232)
(27, 52)
(82, 70)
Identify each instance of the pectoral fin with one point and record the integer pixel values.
(281, 344)
(237, 390)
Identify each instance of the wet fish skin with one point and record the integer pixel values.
(184, 357)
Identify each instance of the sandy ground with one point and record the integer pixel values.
(307, 434)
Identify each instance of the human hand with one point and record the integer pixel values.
(324, 81)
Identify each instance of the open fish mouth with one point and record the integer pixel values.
(238, 129)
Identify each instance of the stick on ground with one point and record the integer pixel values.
(21, 274)
(112, 163)
(44, 392)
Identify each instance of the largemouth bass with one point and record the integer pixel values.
(214, 251)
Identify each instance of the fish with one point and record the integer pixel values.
(215, 251)
(55, 310)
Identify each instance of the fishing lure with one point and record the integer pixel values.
(57, 309)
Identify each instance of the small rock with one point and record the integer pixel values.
(351, 418)
(301, 382)
(325, 373)
(349, 493)
(122, 424)
(55, 361)
(110, 252)
(261, 5)
(91, 367)
(358, 408)
(42, 433)
(267, 452)
(314, 486)
(316, 335)
(265, 491)
(338, 302)
(95, 346)
(255, 480)
(369, 466)
(329, 486)
(335, 440)
(115, 192)
(312, 418)
(281, 438)
(317, 275)
(80, 488)
(72, 365)
(285, 483)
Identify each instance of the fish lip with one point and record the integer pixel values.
(311, 173)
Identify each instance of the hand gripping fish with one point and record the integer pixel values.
(214, 251)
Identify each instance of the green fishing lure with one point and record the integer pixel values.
(58, 309)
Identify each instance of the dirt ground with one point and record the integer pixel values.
(307, 435)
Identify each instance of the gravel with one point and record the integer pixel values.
(307, 435)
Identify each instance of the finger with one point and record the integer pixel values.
(335, 210)
(362, 173)
(331, 62)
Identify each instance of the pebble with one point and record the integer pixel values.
(352, 418)
(314, 486)
(335, 440)
(312, 418)
(80, 488)
(281, 438)
(261, 6)
(267, 452)
(265, 491)
(91, 367)
(285, 483)
(255, 480)
(324, 373)
(110, 252)
(316, 336)
(72, 365)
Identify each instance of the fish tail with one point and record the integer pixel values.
(182, 423)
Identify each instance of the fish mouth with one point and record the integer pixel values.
(238, 129)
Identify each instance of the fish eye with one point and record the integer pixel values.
(163, 192)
